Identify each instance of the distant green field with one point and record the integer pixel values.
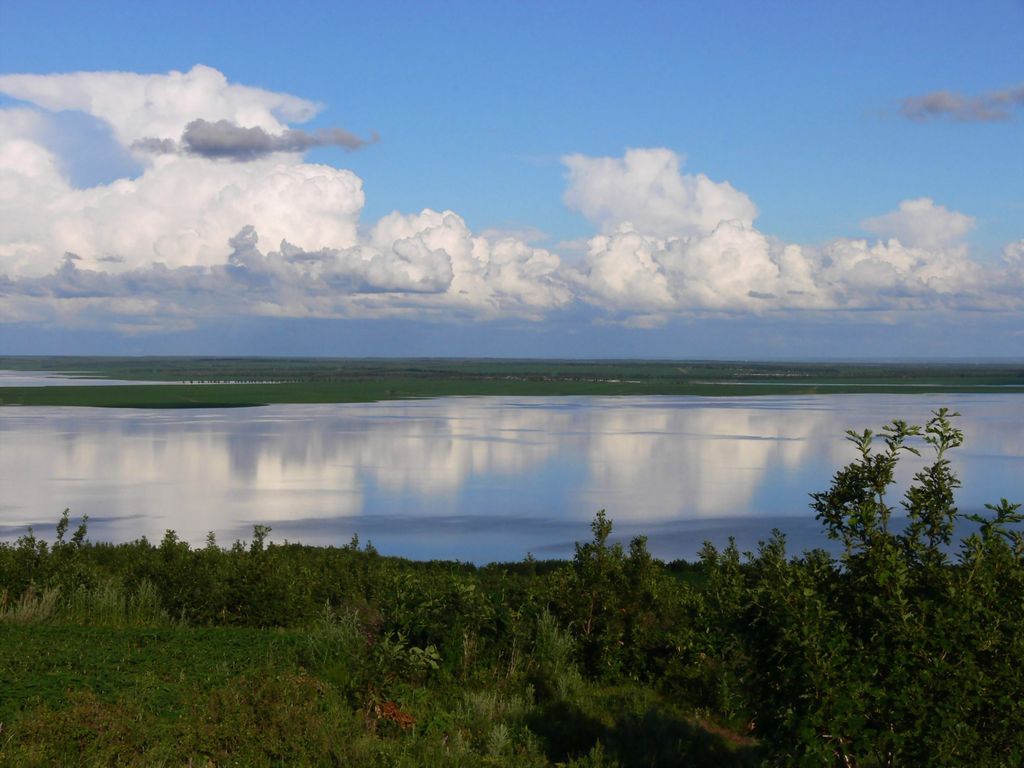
(230, 382)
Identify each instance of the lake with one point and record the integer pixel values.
(477, 479)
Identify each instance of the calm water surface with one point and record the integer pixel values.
(55, 379)
(473, 478)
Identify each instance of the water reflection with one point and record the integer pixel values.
(472, 478)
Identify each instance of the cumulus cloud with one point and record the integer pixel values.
(995, 106)
(882, 275)
(504, 273)
(21, 123)
(734, 268)
(185, 236)
(921, 223)
(738, 269)
(646, 189)
(427, 263)
(189, 237)
(696, 249)
(180, 211)
(196, 112)
(139, 106)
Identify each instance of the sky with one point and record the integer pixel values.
(575, 179)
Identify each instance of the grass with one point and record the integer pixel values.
(242, 395)
(406, 664)
(157, 666)
(75, 695)
(226, 382)
(100, 695)
(240, 382)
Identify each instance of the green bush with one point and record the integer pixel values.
(894, 654)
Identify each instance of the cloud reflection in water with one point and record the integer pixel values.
(471, 478)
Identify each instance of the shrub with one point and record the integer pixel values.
(892, 655)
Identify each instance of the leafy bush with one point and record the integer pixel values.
(892, 655)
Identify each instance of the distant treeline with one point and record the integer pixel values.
(259, 653)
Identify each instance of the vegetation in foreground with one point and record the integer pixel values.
(224, 382)
(897, 653)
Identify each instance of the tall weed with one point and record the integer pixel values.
(32, 607)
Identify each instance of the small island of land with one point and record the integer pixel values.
(201, 382)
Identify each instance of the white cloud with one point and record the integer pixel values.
(428, 264)
(1009, 282)
(21, 123)
(733, 268)
(625, 271)
(646, 189)
(887, 275)
(1013, 253)
(737, 268)
(141, 106)
(185, 211)
(488, 276)
(180, 211)
(194, 236)
(920, 223)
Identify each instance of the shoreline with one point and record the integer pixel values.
(219, 395)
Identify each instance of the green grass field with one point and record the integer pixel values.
(76, 695)
(227, 382)
(89, 689)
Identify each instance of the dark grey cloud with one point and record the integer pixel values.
(226, 140)
(996, 106)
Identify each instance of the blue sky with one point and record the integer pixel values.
(812, 124)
